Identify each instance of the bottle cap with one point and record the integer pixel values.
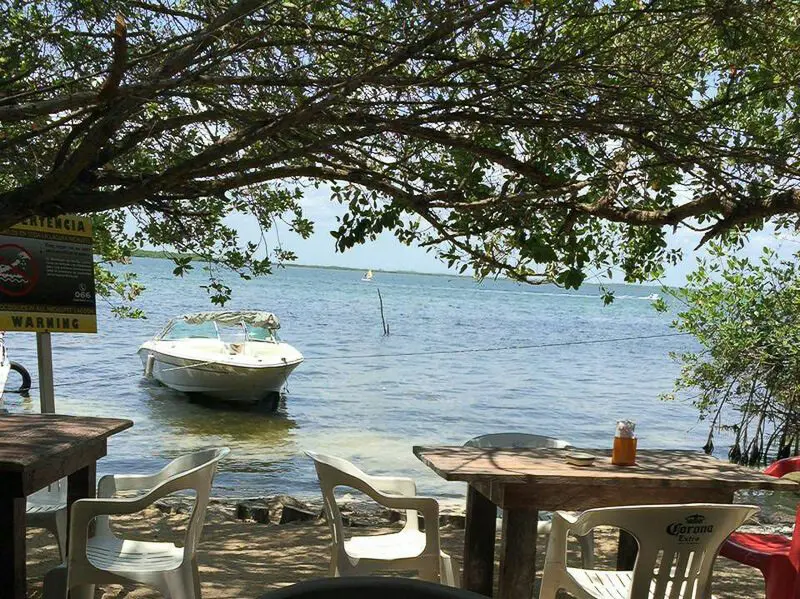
(625, 429)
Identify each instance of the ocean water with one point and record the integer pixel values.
(357, 397)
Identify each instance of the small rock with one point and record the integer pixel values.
(163, 507)
(456, 521)
(253, 510)
(285, 508)
(291, 513)
(393, 516)
(280, 509)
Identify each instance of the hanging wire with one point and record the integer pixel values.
(499, 348)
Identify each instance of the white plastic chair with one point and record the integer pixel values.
(677, 548)
(409, 549)
(106, 558)
(531, 441)
(47, 509)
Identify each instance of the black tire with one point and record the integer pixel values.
(26, 377)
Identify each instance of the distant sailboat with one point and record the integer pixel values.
(367, 277)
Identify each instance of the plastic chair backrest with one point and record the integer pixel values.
(780, 469)
(190, 472)
(334, 472)
(783, 467)
(794, 549)
(199, 471)
(369, 587)
(677, 544)
(516, 440)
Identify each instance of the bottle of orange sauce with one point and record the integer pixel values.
(624, 451)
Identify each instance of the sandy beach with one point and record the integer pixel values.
(244, 559)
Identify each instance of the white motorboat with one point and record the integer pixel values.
(234, 356)
(653, 297)
(367, 276)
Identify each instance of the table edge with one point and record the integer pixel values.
(776, 484)
(122, 424)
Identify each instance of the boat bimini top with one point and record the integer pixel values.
(255, 318)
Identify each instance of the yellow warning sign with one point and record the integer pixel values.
(47, 276)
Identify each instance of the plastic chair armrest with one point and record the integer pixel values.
(85, 510)
(570, 518)
(562, 523)
(560, 527)
(111, 484)
(583, 523)
(427, 506)
(399, 485)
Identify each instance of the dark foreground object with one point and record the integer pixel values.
(369, 587)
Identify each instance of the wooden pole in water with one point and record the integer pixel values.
(383, 319)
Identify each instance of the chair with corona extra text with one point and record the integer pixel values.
(777, 556)
(677, 548)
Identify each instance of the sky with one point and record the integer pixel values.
(386, 253)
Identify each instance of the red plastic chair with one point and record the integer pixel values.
(777, 556)
(783, 467)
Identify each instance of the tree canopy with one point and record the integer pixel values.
(545, 140)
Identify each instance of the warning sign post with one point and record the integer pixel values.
(47, 285)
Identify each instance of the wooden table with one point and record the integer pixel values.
(524, 481)
(35, 451)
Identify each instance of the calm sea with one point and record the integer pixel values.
(372, 410)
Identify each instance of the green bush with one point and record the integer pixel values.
(746, 378)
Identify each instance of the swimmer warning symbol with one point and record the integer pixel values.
(47, 276)
(18, 270)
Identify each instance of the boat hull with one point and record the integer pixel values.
(229, 382)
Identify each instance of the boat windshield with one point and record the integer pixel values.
(261, 334)
(180, 329)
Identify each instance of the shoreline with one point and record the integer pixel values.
(164, 255)
(362, 512)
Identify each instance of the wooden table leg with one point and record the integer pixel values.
(627, 550)
(12, 547)
(518, 555)
(81, 484)
(481, 527)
